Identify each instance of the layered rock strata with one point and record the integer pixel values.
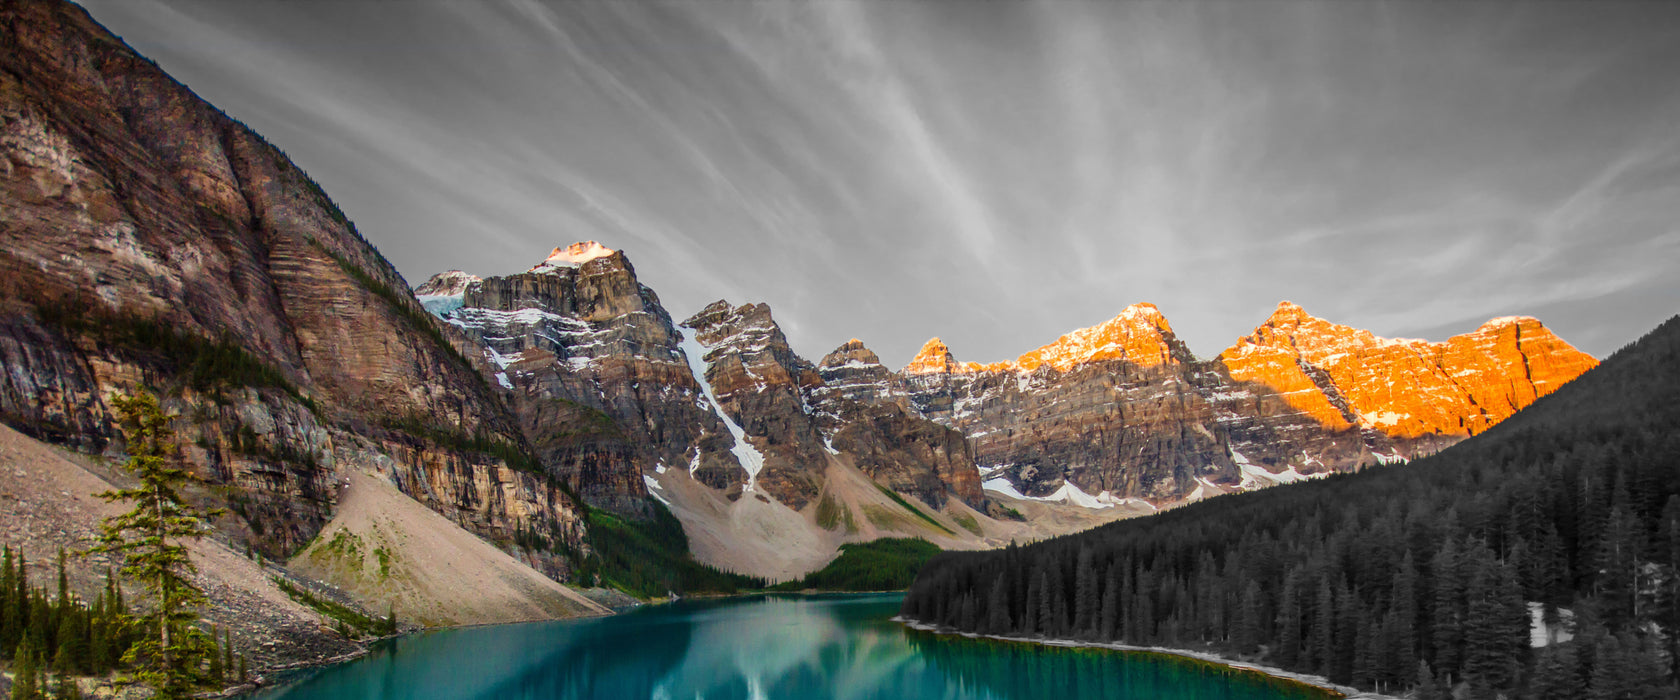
(152, 242)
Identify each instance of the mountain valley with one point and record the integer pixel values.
(556, 443)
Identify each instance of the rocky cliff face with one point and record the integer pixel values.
(151, 241)
(1404, 389)
(759, 381)
(849, 404)
(594, 370)
(1117, 410)
(1124, 410)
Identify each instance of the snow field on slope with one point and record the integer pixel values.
(746, 455)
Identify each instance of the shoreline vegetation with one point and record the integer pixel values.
(1318, 682)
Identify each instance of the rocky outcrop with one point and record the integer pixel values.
(151, 241)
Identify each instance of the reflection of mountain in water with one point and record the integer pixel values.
(818, 648)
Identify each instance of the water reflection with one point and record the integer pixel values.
(1012, 670)
(839, 648)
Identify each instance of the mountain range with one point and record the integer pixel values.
(1120, 416)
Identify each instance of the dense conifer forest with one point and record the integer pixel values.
(1420, 577)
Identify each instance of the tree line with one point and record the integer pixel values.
(1431, 576)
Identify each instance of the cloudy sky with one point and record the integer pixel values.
(994, 173)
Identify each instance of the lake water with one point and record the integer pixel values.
(793, 647)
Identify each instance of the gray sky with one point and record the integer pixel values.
(994, 173)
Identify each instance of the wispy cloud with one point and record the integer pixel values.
(993, 173)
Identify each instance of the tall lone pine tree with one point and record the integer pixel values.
(172, 653)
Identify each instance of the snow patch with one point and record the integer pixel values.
(653, 489)
(1068, 493)
(1540, 634)
(1377, 419)
(1002, 485)
(746, 455)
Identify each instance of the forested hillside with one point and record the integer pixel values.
(1404, 575)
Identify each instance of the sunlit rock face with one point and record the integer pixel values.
(1122, 409)
(149, 241)
(1404, 389)
(1113, 408)
(593, 368)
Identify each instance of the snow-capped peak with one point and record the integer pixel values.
(1503, 321)
(573, 256)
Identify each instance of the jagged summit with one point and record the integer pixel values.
(1504, 321)
(934, 358)
(851, 352)
(446, 284)
(1403, 387)
(1139, 334)
(1287, 311)
(573, 256)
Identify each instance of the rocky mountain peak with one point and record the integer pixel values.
(1140, 334)
(449, 283)
(1495, 324)
(852, 352)
(1287, 312)
(573, 256)
(934, 358)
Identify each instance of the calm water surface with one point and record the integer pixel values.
(804, 648)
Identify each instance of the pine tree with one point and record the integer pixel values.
(1248, 633)
(215, 673)
(1324, 629)
(8, 627)
(1047, 624)
(1288, 651)
(1109, 622)
(227, 653)
(1447, 623)
(997, 608)
(1489, 657)
(24, 671)
(1429, 685)
(1557, 674)
(1403, 645)
(1031, 612)
(1085, 597)
(151, 540)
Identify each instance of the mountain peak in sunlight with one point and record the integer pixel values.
(573, 255)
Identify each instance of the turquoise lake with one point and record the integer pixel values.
(792, 647)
